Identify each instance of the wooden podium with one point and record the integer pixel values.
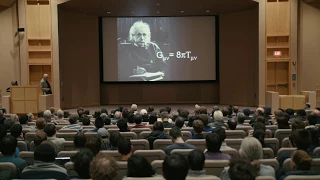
(24, 99)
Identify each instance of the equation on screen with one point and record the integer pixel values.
(178, 55)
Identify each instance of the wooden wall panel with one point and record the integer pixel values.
(32, 21)
(45, 20)
(271, 18)
(283, 14)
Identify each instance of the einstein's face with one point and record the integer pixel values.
(141, 35)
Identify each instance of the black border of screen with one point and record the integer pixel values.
(217, 30)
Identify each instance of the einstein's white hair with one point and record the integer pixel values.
(138, 25)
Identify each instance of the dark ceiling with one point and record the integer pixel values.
(157, 7)
(314, 3)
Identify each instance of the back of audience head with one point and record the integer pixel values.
(81, 163)
(241, 118)
(283, 122)
(260, 135)
(30, 118)
(124, 146)
(23, 119)
(164, 116)
(230, 110)
(138, 166)
(103, 133)
(184, 113)
(267, 111)
(218, 115)
(179, 122)
(203, 110)
(60, 114)
(213, 142)
(150, 109)
(8, 145)
(153, 117)
(66, 114)
(301, 113)
(40, 114)
(14, 117)
(103, 167)
(47, 115)
(297, 124)
(246, 112)
(86, 121)
(259, 125)
(41, 123)
(137, 118)
(93, 143)
(134, 107)
(98, 122)
(175, 167)
(117, 115)
(8, 123)
(301, 139)
(240, 169)
(3, 131)
(79, 141)
(50, 130)
(221, 132)
(114, 138)
(290, 111)
(45, 153)
(16, 130)
(196, 160)
(39, 137)
(131, 118)
(96, 114)
(198, 126)
(86, 112)
(261, 119)
(204, 118)
(251, 149)
(232, 124)
(259, 112)
(278, 114)
(235, 109)
(300, 160)
(104, 110)
(106, 119)
(122, 125)
(125, 113)
(225, 112)
(312, 119)
(175, 133)
(73, 118)
(158, 126)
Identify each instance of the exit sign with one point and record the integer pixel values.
(277, 53)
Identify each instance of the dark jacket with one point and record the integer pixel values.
(154, 135)
(298, 173)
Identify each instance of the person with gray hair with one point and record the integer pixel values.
(47, 115)
(73, 120)
(45, 85)
(15, 118)
(60, 116)
(251, 150)
(134, 108)
(218, 122)
(141, 55)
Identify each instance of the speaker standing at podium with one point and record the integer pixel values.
(45, 85)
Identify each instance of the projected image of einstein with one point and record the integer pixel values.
(139, 58)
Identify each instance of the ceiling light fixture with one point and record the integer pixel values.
(132, 12)
(108, 12)
(207, 11)
(158, 12)
(182, 11)
(158, 4)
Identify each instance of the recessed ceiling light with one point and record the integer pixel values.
(182, 11)
(207, 11)
(132, 12)
(158, 4)
(158, 12)
(108, 12)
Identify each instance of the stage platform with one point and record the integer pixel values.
(174, 107)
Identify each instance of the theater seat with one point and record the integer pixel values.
(208, 177)
(265, 178)
(30, 136)
(70, 169)
(280, 134)
(273, 142)
(151, 155)
(215, 167)
(144, 134)
(22, 146)
(130, 135)
(232, 152)
(271, 162)
(302, 178)
(235, 134)
(286, 143)
(187, 129)
(32, 146)
(139, 130)
(123, 168)
(67, 130)
(315, 165)
(157, 166)
(183, 152)
(140, 144)
(282, 150)
(115, 154)
(27, 156)
(67, 153)
(198, 143)
(9, 167)
(186, 135)
(145, 178)
(67, 146)
(287, 164)
(273, 128)
(268, 153)
(110, 126)
(113, 130)
(161, 143)
(245, 128)
(68, 136)
(268, 133)
(234, 143)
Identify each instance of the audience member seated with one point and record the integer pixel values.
(232, 124)
(175, 167)
(103, 110)
(80, 114)
(103, 167)
(165, 120)
(258, 112)
(66, 114)
(106, 119)
(15, 118)
(178, 143)
(283, 122)
(131, 119)
(179, 122)
(60, 116)
(242, 170)
(153, 118)
(51, 132)
(295, 125)
(73, 120)
(96, 114)
(103, 135)
(174, 116)
(117, 116)
(205, 120)
(40, 124)
(301, 114)
(43, 167)
(8, 123)
(98, 123)
(246, 113)
(138, 166)
(86, 112)
(137, 121)
(53, 113)
(240, 120)
(313, 130)
(235, 111)
(24, 123)
(123, 125)
(184, 114)
(222, 134)
(93, 143)
(81, 164)
(114, 139)
(86, 121)
(196, 160)
(218, 119)
(260, 135)
(256, 126)
(157, 133)
(150, 109)
(213, 143)
(8, 148)
(251, 150)
(267, 113)
(125, 148)
(197, 130)
(47, 115)
(40, 114)
(301, 138)
(79, 141)
(300, 165)
(16, 132)
(2, 118)
(145, 116)
(39, 137)
(290, 112)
